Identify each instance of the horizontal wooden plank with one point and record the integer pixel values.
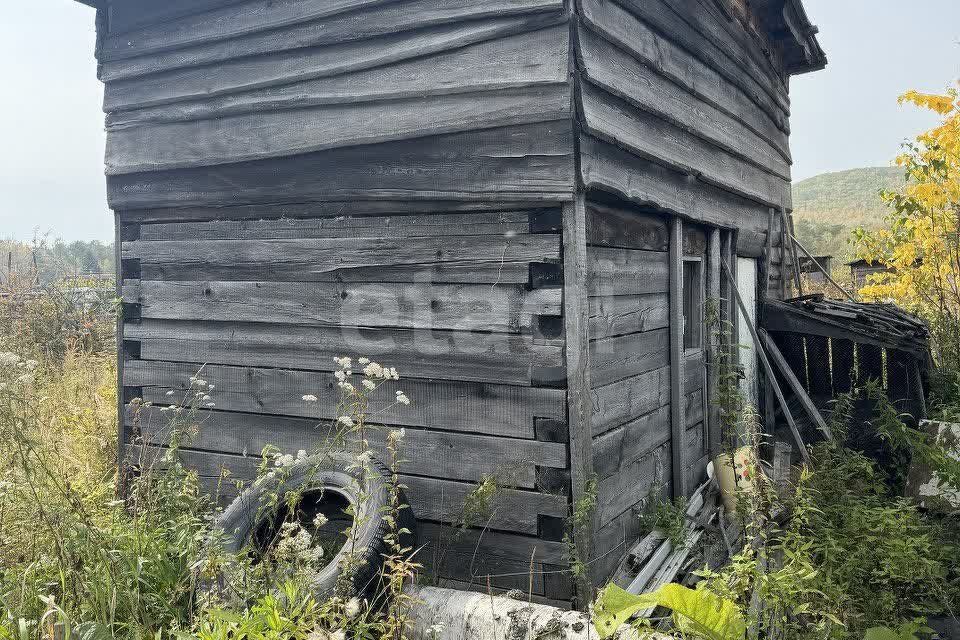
(222, 23)
(614, 120)
(693, 411)
(478, 223)
(297, 211)
(132, 14)
(717, 49)
(477, 357)
(470, 407)
(620, 357)
(617, 272)
(605, 166)
(387, 19)
(618, 315)
(621, 74)
(523, 163)
(448, 455)
(630, 442)
(526, 59)
(501, 308)
(262, 135)
(620, 402)
(633, 35)
(621, 228)
(334, 254)
(619, 492)
(430, 498)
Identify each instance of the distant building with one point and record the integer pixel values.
(813, 272)
(860, 269)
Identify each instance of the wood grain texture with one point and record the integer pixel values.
(525, 163)
(381, 20)
(614, 70)
(614, 120)
(430, 499)
(222, 23)
(528, 59)
(646, 183)
(271, 134)
(621, 491)
(468, 356)
(613, 359)
(618, 272)
(454, 456)
(502, 308)
(489, 409)
(132, 14)
(630, 442)
(620, 402)
(624, 229)
(678, 365)
(677, 64)
(618, 315)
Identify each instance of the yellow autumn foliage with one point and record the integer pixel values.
(921, 240)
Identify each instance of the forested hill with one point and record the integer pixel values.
(827, 207)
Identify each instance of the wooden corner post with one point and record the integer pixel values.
(576, 312)
(677, 397)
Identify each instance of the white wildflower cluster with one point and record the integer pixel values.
(201, 389)
(323, 634)
(20, 372)
(281, 460)
(379, 372)
(296, 545)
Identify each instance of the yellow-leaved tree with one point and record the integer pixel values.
(920, 243)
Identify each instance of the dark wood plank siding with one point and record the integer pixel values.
(300, 179)
(683, 111)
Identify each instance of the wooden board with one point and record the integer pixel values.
(630, 442)
(384, 20)
(620, 315)
(271, 134)
(525, 163)
(450, 455)
(621, 491)
(617, 272)
(620, 402)
(620, 228)
(476, 357)
(611, 119)
(469, 407)
(505, 309)
(523, 60)
(613, 359)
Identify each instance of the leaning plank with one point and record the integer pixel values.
(787, 371)
(527, 59)
(475, 357)
(223, 23)
(388, 19)
(608, 167)
(614, 70)
(454, 456)
(613, 359)
(615, 121)
(504, 308)
(490, 409)
(675, 63)
(329, 254)
(617, 272)
(262, 135)
(620, 402)
(526, 163)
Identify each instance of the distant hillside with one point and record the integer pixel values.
(827, 207)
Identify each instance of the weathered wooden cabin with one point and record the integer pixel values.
(523, 205)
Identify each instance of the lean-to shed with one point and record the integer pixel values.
(523, 205)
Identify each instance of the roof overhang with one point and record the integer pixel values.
(787, 23)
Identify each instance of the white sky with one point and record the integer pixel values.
(51, 175)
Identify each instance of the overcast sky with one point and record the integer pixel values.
(51, 176)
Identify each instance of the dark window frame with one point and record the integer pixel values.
(693, 299)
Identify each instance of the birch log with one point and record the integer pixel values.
(448, 614)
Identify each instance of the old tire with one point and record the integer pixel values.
(329, 477)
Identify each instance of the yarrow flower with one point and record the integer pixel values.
(309, 398)
(346, 421)
(344, 363)
(402, 398)
(369, 385)
(352, 608)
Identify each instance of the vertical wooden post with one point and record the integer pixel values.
(714, 249)
(118, 274)
(767, 258)
(677, 398)
(576, 313)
